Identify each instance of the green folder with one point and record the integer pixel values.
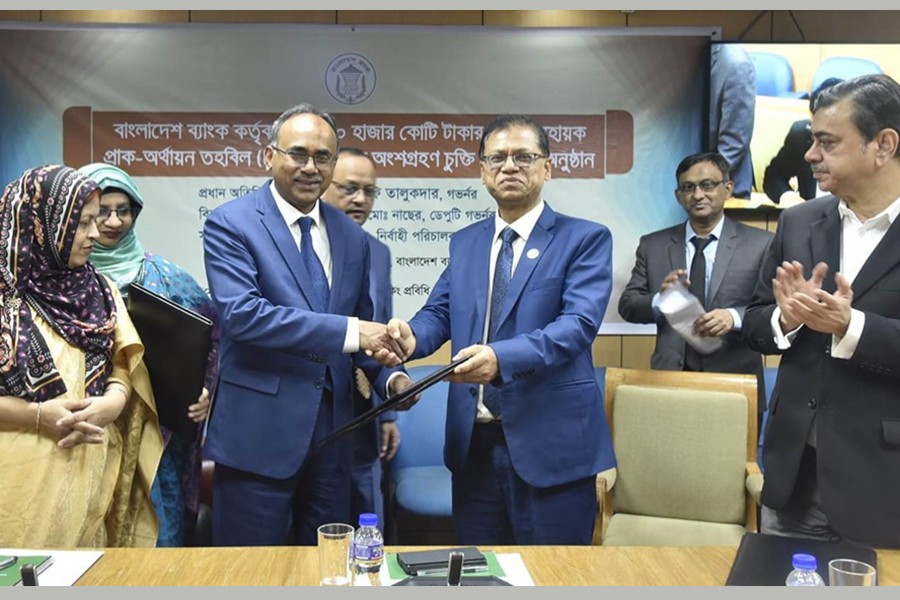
(397, 572)
(10, 574)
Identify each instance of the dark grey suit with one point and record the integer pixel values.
(739, 255)
(855, 403)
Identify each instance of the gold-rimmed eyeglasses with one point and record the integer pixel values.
(522, 160)
(707, 185)
(351, 189)
(301, 157)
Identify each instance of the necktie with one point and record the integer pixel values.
(698, 268)
(502, 275)
(692, 359)
(317, 278)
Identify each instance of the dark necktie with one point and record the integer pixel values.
(502, 275)
(698, 268)
(692, 359)
(317, 278)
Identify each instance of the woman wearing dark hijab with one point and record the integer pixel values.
(78, 424)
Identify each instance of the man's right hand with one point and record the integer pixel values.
(671, 278)
(403, 334)
(789, 280)
(375, 340)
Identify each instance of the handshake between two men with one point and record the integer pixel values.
(395, 343)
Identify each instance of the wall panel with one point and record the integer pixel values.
(20, 15)
(264, 16)
(116, 16)
(409, 17)
(555, 18)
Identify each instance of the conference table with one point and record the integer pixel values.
(548, 566)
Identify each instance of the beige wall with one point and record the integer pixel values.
(745, 25)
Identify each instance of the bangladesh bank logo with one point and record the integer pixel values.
(350, 78)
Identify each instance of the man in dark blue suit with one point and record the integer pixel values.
(523, 297)
(290, 277)
(353, 191)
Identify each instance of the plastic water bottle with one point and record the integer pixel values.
(804, 573)
(368, 551)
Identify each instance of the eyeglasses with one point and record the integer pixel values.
(522, 160)
(707, 185)
(350, 189)
(301, 157)
(123, 212)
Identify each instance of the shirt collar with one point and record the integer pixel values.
(890, 213)
(290, 213)
(717, 230)
(523, 225)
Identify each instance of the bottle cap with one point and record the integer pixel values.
(804, 561)
(368, 520)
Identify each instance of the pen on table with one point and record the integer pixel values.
(443, 570)
(11, 560)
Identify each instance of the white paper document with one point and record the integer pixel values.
(681, 309)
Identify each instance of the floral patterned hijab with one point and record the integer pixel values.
(39, 214)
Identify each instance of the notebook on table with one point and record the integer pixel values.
(11, 574)
(766, 559)
(177, 342)
(432, 562)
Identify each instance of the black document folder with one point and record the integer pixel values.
(766, 559)
(177, 343)
(431, 562)
(387, 405)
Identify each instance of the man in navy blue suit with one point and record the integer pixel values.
(353, 191)
(290, 277)
(523, 297)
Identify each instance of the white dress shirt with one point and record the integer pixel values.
(709, 253)
(858, 240)
(322, 246)
(523, 227)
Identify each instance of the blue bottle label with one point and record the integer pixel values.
(366, 552)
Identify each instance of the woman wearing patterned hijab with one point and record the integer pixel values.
(118, 254)
(78, 424)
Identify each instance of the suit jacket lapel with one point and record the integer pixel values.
(336, 234)
(284, 242)
(537, 242)
(677, 258)
(883, 259)
(724, 253)
(825, 239)
(480, 258)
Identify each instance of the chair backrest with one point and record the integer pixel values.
(422, 428)
(774, 75)
(844, 67)
(682, 442)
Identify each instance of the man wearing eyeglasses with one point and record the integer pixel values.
(523, 297)
(290, 276)
(718, 258)
(353, 191)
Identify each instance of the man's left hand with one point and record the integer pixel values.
(390, 440)
(482, 366)
(715, 323)
(826, 313)
(397, 385)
